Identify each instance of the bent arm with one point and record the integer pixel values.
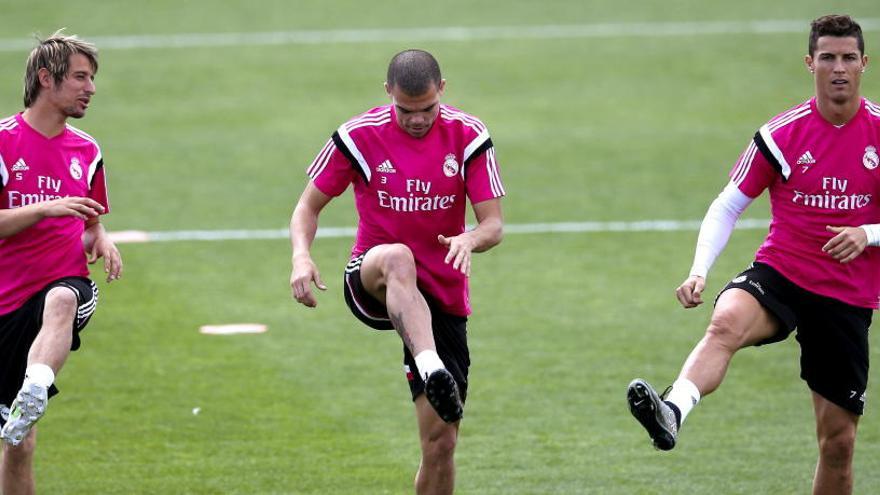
(13, 221)
(717, 226)
(490, 225)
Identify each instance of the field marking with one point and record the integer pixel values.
(137, 236)
(453, 33)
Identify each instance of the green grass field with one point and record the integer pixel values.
(619, 127)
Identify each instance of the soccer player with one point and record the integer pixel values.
(813, 272)
(410, 164)
(52, 195)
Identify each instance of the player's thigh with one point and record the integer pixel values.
(742, 319)
(378, 263)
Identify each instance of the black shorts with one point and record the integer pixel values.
(19, 328)
(450, 331)
(833, 335)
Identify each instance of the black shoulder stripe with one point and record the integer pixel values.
(479, 151)
(768, 155)
(99, 166)
(340, 145)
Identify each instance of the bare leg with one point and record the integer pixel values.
(16, 468)
(52, 345)
(436, 475)
(836, 434)
(388, 273)
(738, 321)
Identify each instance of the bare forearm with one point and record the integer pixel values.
(487, 234)
(303, 227)
(14, 221)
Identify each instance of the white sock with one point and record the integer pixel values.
(684, 395)
(40, 374)
(428, 362)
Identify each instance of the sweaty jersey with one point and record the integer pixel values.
(818, 174)
(34, 169)
(408, 190)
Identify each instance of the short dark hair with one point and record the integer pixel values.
(841, 26)
(413, 71)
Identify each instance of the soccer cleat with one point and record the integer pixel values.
(442, 394)
(653, 413)
(27, 408)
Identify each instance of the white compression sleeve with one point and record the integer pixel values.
(717, 226)
(873, 233)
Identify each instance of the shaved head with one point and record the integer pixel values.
(413, 72)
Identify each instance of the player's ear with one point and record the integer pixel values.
(387, 89)
(441, 87)
(808, 60)
(45, 77)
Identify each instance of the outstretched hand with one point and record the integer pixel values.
(847, 244)
(305, 272)
(460, 249)
(689, 293)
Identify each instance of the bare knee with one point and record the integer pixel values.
(724, 332)
(398, 262)
(836, 449)
(440, 445)
(60, 302)
(20, 457)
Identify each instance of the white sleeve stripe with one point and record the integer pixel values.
(745, 164)
(368, 118)
(788, 120)
(369, 124)
(494, 178)
(789, 113)
(476, 143)
(93, 167)
(320, 160)
(355, 152)
(4, 174)
(468, 120)
(777, 153)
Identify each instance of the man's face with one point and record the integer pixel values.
(837, 65)
(73, 94)
(416, 114)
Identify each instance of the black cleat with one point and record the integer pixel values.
(653, 413)
(442, 393)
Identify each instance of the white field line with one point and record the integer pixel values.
(129, 236)
(453, 33)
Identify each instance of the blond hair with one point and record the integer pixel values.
(53, 54)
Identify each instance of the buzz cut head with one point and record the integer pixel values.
(413, 72)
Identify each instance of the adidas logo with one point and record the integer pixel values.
(806, 159)
(20, 166)
(386, 167)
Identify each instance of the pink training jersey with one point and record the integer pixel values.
(36, 169)
(408, 190)
(818, 174)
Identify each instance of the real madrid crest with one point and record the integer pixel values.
(75, 170)
(450, 165)
(870, 159)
